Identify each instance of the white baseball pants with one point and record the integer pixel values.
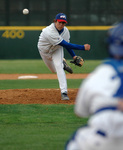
(54, 62)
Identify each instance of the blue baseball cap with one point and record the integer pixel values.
(61, 17)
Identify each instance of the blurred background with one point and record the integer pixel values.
(42, 12)
(21, 43)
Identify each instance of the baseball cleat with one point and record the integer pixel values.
(64, 96)
(66, 67)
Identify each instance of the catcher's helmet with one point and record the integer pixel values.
(115, 40)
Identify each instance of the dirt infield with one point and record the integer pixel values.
(37, 96)
(42, 76)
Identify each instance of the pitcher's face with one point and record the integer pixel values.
(60, 25)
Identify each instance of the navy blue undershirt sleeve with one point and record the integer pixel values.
(71, 52)
(71, 46)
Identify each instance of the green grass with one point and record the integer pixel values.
(36, 84)
(38, 66)
(37, 127)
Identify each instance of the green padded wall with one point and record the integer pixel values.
(21, 43)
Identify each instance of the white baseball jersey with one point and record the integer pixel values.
(102, 88)
(100, 93)
(50, 38)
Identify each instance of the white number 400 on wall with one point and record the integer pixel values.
(13, 34)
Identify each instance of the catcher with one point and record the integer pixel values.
(100, 97)
(50, 45)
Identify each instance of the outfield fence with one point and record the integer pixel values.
(20, 42)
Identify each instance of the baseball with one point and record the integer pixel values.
(25, 11)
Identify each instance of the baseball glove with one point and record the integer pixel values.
(78, 61)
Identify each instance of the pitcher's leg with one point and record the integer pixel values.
(58, 63)
(49, 62)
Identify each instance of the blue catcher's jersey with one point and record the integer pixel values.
(118, 66)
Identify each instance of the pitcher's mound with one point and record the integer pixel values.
(36, 96)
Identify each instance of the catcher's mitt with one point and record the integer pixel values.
(78, 61)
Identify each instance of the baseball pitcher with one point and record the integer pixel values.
(50, 45)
